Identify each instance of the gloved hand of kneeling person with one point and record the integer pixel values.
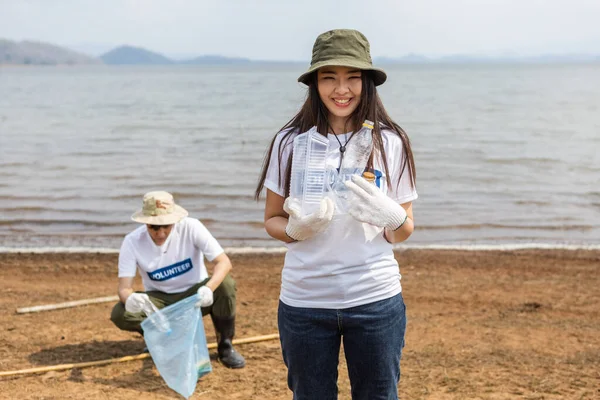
(304, 227)
(140, 302)
(371, 205)
(205, 297)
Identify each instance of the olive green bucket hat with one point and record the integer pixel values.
(344, 48)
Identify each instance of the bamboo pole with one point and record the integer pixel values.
(67, 304)
(62, 367)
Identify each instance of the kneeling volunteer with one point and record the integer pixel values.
(169, 251)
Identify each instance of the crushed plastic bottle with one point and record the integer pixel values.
(354, 161)
(160, 321)
(163, 323)
(309, 170)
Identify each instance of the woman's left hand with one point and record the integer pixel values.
(371, 205)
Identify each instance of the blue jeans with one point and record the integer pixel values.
(373, 336)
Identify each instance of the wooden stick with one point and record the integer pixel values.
(142, 356)
(66, 304)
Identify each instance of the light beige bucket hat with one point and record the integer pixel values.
(159, 209)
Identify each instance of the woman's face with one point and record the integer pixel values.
(339, 89)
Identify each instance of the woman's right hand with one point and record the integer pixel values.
(304, 227)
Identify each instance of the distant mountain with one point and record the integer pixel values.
(214, 59)
(39, 53)
(538, 59)
(560, 58)
(407, 59)
(138, 56)
(129, 55)
(91, 48)
(478, 59)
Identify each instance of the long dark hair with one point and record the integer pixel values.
(314, 113)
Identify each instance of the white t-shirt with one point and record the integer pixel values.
(175, 266)
(349, 264)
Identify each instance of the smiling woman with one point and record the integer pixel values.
(340, 280)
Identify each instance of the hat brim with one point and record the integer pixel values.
(379, 75)
(177, 215)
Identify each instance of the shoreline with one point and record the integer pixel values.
(282, 250)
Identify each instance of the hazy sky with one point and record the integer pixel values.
(286, 29)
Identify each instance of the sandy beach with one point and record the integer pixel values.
(482, 325)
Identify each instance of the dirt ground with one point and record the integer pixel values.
(482, 325)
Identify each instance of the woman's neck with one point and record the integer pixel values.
(338, 125)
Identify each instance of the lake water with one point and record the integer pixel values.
(505, 154)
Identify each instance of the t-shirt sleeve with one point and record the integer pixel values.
(204, 240)
(401, 192)
(274, 180)
(127, 261)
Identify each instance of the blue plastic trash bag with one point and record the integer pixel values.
(177, 343)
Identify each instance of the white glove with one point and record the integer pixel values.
(139, 302)
(205, 297)
(372, 206)
(303, 227)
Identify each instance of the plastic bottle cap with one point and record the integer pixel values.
(369, 176)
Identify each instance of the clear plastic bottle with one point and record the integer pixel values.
(163, 323)
(308, 169)
(158, 318)
(354, 161)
